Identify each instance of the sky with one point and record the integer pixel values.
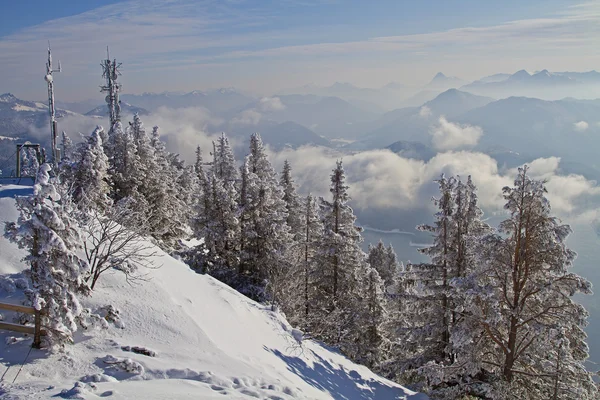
(270, 45)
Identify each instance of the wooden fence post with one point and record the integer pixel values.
(37, 336)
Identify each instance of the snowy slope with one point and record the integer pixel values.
(210, 342)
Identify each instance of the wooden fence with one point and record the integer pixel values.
(36, 330)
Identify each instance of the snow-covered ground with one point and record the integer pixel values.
(210, 343)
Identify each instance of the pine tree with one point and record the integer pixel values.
(266, 233)
(221, 226)
(524, 337)
(300, 292)
(373, 313)
(166, 208)
(89, 176)
(338, 281)
(124, 162)
(292, 202)
(432, 316)
(46, 229)
(385, 261)
(223, 160)
(67, 148)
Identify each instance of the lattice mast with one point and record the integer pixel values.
(110, 71)
(53, 128)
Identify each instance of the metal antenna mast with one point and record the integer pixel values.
(110, 71)
(53, 128)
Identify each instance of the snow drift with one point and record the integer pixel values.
(201, 340)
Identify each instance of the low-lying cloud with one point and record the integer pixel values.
(581, 126)
(382, 179)
(452, 136)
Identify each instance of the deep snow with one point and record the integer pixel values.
(210, 343)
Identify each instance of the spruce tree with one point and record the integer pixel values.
(301, 285)
(266, 234)
(46, 229)
(433, 316)
(292, 202)
(89, 176)
(343, 266)
(385, 261)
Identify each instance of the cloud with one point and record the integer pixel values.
(425, 112)
(184, 129)
(271, 104)
(252, 116)
(581, 126)
(451, 136)
(380, 179)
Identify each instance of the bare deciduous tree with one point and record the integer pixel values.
(114, 240)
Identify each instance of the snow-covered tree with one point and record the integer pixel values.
(292, 202)
(300, 293)
(168, 212)
(220, 227)
(373, 316)
(338, 280)
(433, 315)
(46, 229)
(89, 175)
(66, 148)
(224, 166)
(124, 165)
(29, 162)
(385, 261)
(266, 235)
(524, 337)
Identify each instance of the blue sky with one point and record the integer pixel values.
(264, 46)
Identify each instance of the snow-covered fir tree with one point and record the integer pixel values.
(301, 285)
(124, 165)
(432, 309)
(66, 146)
(47, 230)
(89, 175)
(167, 210)
(385, 261)
(373, 318)
(292, 201)
(29, 162)
(266, 235)
(223, 160)
(343, 267)
(220, 228)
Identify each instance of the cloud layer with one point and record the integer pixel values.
(381, 179)
(451, 136)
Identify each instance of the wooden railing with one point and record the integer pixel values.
(36, 330)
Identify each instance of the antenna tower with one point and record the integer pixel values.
(53, 128)
(110, 71)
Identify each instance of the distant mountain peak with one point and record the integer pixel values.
(441, 79)
(521, 74)
(7, 98)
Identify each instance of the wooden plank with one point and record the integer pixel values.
(17, 307)
(7, 326)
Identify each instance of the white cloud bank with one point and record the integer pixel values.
(452, 136)
(581, 126)
(382, 179)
